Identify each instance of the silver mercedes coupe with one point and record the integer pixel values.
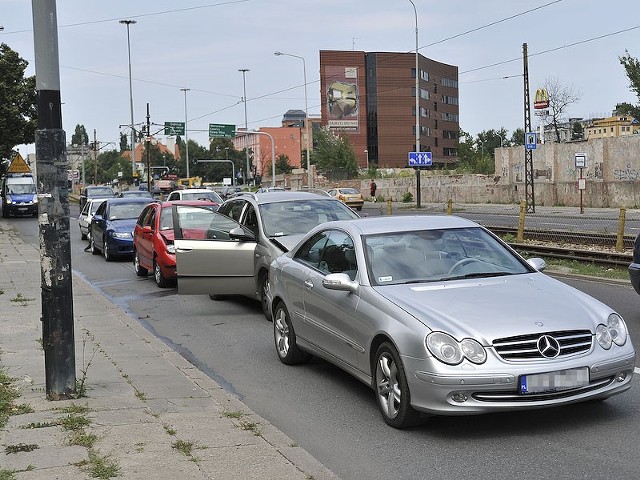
(439, 316)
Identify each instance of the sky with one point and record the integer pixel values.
(200, 45)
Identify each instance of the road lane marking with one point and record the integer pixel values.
(637, 370)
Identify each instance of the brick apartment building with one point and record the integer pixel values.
(371, 97)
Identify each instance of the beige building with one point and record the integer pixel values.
(616, 126)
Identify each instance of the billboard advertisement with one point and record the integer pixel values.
(343, 98)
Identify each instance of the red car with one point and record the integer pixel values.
(153, 249)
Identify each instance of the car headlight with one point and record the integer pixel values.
(121, 234)
(615, 331)
(171, 248)
(448, 350)
(8, 200)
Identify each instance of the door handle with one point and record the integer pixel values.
(183, 250)
(308, 284)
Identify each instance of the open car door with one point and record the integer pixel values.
(214, 254)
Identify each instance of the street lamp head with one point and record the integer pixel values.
(278, 53)
(128, 22)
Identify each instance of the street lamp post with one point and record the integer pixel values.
(186, 128)
(417, 82)
(306, 114)
(246, 127)
(133, 133)
(366, 152)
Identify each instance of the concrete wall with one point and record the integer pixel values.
(612, 177)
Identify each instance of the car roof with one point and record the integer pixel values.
(401, 223)
(127, 200)
(286, 196)
(195, 203)
(193, 190)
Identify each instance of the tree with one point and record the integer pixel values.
(517, 137)
(560, 97)
(282, 164)
(18, 103)
(124, 143)
(334, 155)
(632, 67)
(79, 136)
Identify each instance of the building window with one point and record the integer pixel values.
(448, 82)
(424, 94)
(449, 134)
(450, 152)
(449, 100)
(424, 112)
(424, 75)
(450, 117)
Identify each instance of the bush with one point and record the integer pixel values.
(407, 197)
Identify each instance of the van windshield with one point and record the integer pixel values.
(21, 188)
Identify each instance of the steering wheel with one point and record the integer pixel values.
(461, 263)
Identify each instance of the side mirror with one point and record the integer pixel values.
(242, 235)
(340, 282)
(146, 230)
(537, 263)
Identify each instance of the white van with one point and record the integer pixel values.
(19, 196)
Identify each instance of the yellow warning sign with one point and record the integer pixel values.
(18, 165)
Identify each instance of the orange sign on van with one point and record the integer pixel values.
(18, 165)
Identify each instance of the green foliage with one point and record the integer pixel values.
(632, 68)
(517, 137)
(407, 197)
(282, 164)
(80, 136)
(334, 155)
(18, 103)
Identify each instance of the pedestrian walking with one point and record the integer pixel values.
(373, 187)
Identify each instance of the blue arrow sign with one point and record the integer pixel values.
(420, 159)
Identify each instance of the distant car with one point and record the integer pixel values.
(153, 249)
(112, 225)
(634, 267)
(229, 191)
(271, 189)
(84, 219)
(195, 194)
(135, 193)
(242, 238)
(95, 191)
(350, 196)
(439, 316)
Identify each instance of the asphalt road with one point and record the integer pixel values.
(335, 418)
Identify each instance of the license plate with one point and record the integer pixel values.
(554, 381)
(22, 209)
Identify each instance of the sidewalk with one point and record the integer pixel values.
(147, 413)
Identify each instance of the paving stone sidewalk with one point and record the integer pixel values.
(147, 413)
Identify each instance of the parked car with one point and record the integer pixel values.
(84, 219)
(242, 239)
(111, 230)
(438, 315)
(195, 194)
(136, 193)
(95, 191)
(350, 196)
(153, 248)
(271, 189)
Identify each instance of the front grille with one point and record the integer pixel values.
(525, 347)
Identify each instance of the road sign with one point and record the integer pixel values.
(174, 128)
(18, 165)
(420, 159)
(580, 160)
(222, 130)
(531, 138)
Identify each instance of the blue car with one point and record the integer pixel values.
(112, 225)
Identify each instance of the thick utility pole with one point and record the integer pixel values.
(55, 241)
(147, 145)
(528, 154)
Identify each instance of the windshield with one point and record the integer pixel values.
(299, 216)
(211, 196)
(437, 255)
(100, 191)
(93, 207)
(125, 211)
(349, 191)
(20, 188)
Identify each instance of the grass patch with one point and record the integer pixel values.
(82, 439)
(7, 395)
(586, 268)
(75, 409)
(33, 425)
(170, 430)
(232, 414)
(74, 422)
(20, 447)
(252, 427)
(99, 466)
(21, 299)
(183, 447)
